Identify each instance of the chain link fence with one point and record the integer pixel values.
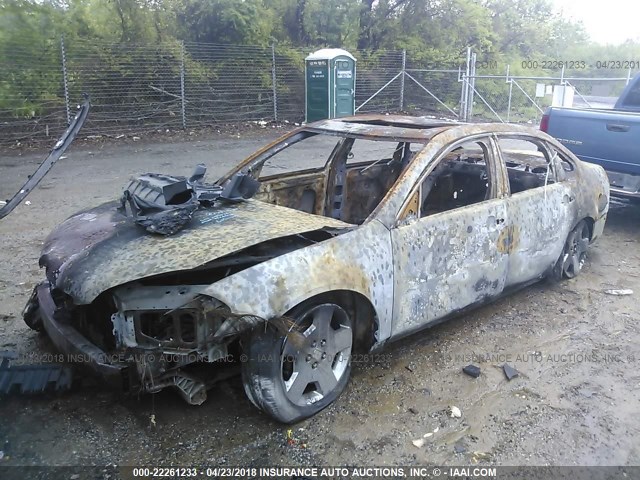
(32, 101)
(522, 99)
(174, 86)
(179, 86)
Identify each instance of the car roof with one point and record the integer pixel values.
(410, 129)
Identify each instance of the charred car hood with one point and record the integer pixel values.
(97, 249)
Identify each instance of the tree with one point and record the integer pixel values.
(224, 21)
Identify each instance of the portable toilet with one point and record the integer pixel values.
(330, 84)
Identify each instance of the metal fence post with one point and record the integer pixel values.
(404, 66)
(472, 86)
(510, 82)
(465, 88)
(65, 80)
(461, 79)
(273, 82)
(182, 96)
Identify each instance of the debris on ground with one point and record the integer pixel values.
(510, 372)
(455, 412)
(290, 440)
(472, 370)
(619, 292)
(419, 443)
(427, 435)
(477, 456)
(459, 447)
(29, 379)
(412, 410)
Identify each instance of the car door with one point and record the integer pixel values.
(539, 206)
(448, 241)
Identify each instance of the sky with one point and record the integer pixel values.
(608, 21)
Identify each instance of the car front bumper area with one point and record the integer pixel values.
(69, 341)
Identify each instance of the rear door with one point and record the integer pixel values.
(540, 207)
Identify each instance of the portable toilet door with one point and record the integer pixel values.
(330, 76)
(344, 86)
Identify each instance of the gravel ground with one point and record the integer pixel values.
(577, 350)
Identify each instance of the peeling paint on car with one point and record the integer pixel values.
(241, 264)
(360, 261)
(116, 251)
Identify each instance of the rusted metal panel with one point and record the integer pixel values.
(539, 223)
(414, 271)
(447, 261)
(91, 261)
(401, 120)
(375, 132)
(303, 191)
(360, 261)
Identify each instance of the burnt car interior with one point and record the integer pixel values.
(528, 164)
(355, 177)
(460, 179)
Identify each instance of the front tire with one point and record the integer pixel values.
(31, 313)
(295, 375)
(574, 254)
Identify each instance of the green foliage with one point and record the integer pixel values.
(29, 61)
(434, 32)
(224, 21)
(331, 23)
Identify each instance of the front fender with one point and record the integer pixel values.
(359, 260)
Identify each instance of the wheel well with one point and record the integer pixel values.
(590, 223)
(362, 312)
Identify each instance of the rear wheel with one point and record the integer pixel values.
(294, 376)
(574, 255)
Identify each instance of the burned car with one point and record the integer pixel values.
(286, 275)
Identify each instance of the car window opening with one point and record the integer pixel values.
(462, 178)
(343, 178)
(528, 164)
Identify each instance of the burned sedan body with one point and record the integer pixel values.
(407, 222)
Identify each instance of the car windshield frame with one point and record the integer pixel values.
(253, 164)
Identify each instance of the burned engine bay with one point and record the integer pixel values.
(156, 332)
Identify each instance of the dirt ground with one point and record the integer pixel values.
(577, 350)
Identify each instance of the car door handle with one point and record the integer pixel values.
(616, 127)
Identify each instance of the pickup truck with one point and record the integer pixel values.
(610, 138)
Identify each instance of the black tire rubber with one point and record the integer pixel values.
(579, 233)
(32, 315)
(262, 373)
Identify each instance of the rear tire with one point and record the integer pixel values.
(574, 254)
(294, 376)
